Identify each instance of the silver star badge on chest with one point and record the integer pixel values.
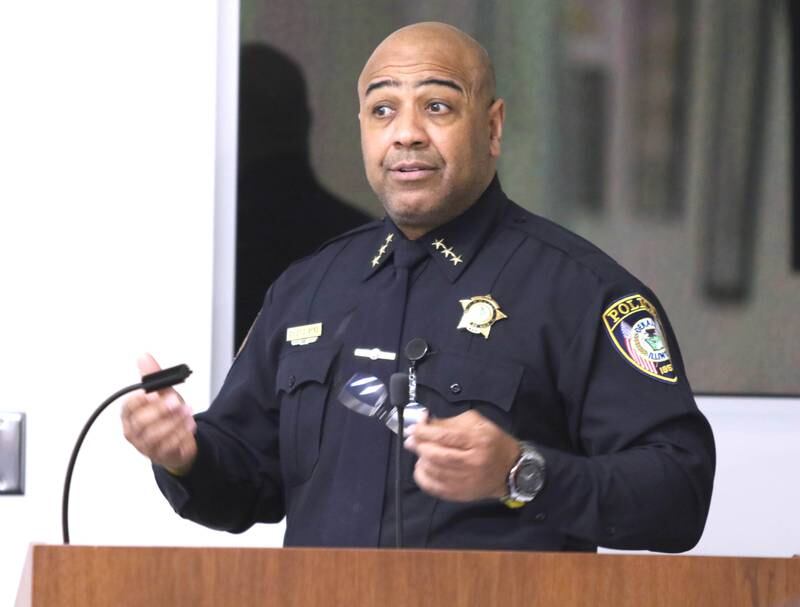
(480, 313)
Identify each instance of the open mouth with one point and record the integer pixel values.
(411, 173)
(409, 165)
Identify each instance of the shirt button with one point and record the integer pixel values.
(292, 381)
(540, 516)
(455, 388)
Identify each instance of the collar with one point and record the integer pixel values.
(453, 245)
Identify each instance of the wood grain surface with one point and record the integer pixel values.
(67, 576)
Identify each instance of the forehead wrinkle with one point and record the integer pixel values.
(464, 78)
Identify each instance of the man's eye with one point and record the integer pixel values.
(381, 111)
(437, 107)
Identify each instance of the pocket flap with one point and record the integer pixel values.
(458, 377)
(305, 365)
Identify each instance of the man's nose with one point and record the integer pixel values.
(410, 130)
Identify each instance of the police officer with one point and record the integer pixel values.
(561, 417)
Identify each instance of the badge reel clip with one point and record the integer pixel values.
(367, 395)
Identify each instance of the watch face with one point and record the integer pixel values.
(530, 478)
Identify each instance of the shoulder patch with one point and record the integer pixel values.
(247, 336)
(634, 328)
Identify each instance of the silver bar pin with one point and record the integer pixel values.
(374, 354)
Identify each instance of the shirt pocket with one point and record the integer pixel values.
(302, 389)
(454, 383)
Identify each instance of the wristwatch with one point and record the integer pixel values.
(526, 477)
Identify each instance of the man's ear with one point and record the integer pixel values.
(497, 115)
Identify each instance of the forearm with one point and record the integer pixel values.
(652, 497)
(228, 487)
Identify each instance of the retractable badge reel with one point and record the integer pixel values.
(415, 351)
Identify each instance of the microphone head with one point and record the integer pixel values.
(398, 389)
(165, 378)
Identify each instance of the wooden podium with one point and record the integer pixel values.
(86, 576)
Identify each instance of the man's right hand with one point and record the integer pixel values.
(160, 425)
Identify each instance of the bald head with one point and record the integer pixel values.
(440, 45)
(430, 125)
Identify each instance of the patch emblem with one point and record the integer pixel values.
(480, 313)
(633, 325)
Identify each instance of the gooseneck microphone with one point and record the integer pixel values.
(398, 396)
(150, 383)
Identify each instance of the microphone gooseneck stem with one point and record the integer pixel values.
(150, 383)
(399, 393)
(74, 457)
(398, 485)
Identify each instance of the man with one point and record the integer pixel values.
(561, 416)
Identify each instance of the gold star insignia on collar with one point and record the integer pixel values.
(480, 313)
(448, 252)
(382, 250)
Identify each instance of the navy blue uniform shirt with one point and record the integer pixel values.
(579, 358)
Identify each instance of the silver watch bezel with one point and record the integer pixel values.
(528, 453)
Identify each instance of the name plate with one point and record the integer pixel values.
(304, 334)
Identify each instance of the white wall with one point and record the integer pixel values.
(107, 223)
(756, 489)
(107, 180)
(754, 510)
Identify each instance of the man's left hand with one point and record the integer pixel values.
(462, 458)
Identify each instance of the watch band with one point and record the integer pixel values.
(512, 503)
